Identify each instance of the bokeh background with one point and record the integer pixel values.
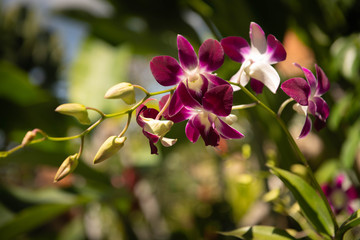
(58, 51)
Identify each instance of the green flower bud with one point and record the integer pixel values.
(67, 167)
(76, 110)
(111, 146)
(123, 90)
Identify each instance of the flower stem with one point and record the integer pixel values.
(283, 105)
(295, 147)
(244, 106)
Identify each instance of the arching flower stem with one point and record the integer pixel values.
(295, 147)
(283, 105)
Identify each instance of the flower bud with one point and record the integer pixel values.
(123, 90)
(111, 146)
(76, 110)
(157, 127)
(29, 136)
(67, 167)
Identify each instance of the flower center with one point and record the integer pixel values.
(194, 81)
(338, 199)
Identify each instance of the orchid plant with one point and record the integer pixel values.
(205, 100)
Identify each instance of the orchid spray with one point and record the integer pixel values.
(197, 95)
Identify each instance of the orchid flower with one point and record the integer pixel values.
(153, 128)
(210, 117)
(195, 72)
(341, 195)
(256, 59)
(307, 93)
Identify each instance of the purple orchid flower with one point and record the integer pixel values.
(208, 117)
(195, 72)
(256, 59)
(341, 195)
(307, 93)
(153, 128)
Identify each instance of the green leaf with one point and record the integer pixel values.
(16, 87)
(352, 221)
(350, 146)
(259, 233)
(31, 218)
(310, 202)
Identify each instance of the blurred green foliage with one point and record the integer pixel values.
(189, 191)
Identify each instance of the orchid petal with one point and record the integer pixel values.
(352, 193)
(211, 55)
(218, 100)
(175, 103)
(145, 112)
(207, 132)
(275, 50)
(187, 56)
(153, 148)
(198, 87)
(180, 116)
(322, 109)
(191, 133)
(243, 79)
(236, 48)
(309, 77)
(166, 70)
(226, 131)
(152, 137)
(298, 89)
(266, 74)
(256, 85)
(257, 37)
(186, 97)
(306, 128)
(215, 80)
(323, 82)
(167, 142)
(300, 109)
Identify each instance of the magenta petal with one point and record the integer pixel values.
(319, 124)
(275, 50)
(298, 89)
(187, 56)
(145, 112)
(323, 82)
(327, 190)
(235, 48)
(153, 148)
(306, 128)
(152, 139)
(309, 77)
(322, 109)
(191, 133)
(218, 100)
(207, 132)
(211, 55)
(166, 70)
(226, 131)
(256, 85)
(215, 80)
(199, 91)
(186, 97)
(352, 193)
(175, 103)
(180, 116)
